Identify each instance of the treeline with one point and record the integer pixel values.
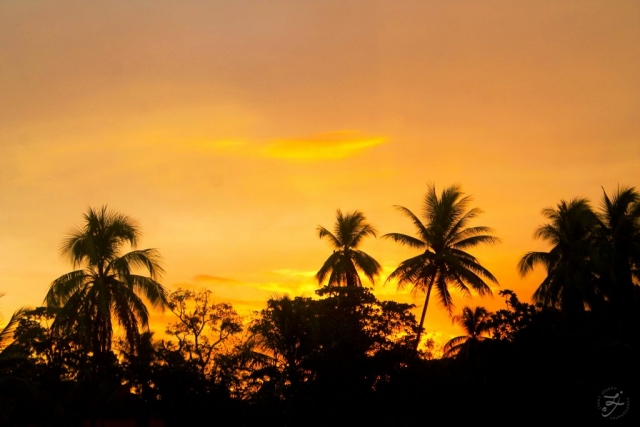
(344, 356)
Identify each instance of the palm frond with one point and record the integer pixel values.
(362, 232)
(444, 294)
(473, 241)
(130, 312)
(453, 346)
(365, 263)
(330, 265)
(6, 334)
(548, 232)
(405, 240)
(422, 230)
(323, 232)
(465, 233)
(466, 262)
(64, 287)
(531, 259)
(148, 259)
(460, 221)
(415, 270)
(153, 291)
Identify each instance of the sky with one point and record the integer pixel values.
(231, 129)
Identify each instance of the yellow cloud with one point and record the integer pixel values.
(330, 145)
(323, 146)
(294, 273)
(214, 279)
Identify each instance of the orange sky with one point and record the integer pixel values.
(230, 130)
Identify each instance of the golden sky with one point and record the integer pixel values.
(231, 129)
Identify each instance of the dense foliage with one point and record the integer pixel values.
(344, 354)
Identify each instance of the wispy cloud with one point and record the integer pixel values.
(294, 273)
(213, 279)
(330, 145)
(322, 146)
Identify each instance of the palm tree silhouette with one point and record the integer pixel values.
(570, 281)
(619, 249)
(106, 287)
(443, 239)
(347, 260)
(6, 333)
(475, 323)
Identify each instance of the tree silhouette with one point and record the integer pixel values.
(443, 239)
(570, 281)
(507, 323)
(6, 333)
(618, 252)
(476, 324)
(106, 287)
(331, 353)
(203, 325)
(343, 264)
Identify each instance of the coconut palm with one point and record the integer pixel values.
(344, 264)
(443, 239)
(619, 245)
(106, 287)
(476, 324)
(6, 333)
(571, 282)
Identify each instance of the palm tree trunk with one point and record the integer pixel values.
(424, 312)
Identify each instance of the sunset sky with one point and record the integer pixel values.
(231, 129)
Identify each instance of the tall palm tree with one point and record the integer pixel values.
(106, 287)
(476, 324)
(570, 283)
(347, 260)
(619, 249)
(443, 239)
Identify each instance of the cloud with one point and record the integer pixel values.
(322, 146)
(330, 145)
(294, 273)
(213, 279)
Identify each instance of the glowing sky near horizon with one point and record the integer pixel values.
(231, 129)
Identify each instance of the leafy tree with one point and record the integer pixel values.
(53, 357)
(343, 264)
(476, 324)
(241, 371)
(506, 324)
(288, 328)
(347, 341)
(571, 282)
(361, 346)
(202, 327)
(443, 239)
(106, 287)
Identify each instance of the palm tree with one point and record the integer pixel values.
(443, 239)
(619, 250)
(475, 323)
(347, 260)
(570, 281)
(105, 287)
(6, 333)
